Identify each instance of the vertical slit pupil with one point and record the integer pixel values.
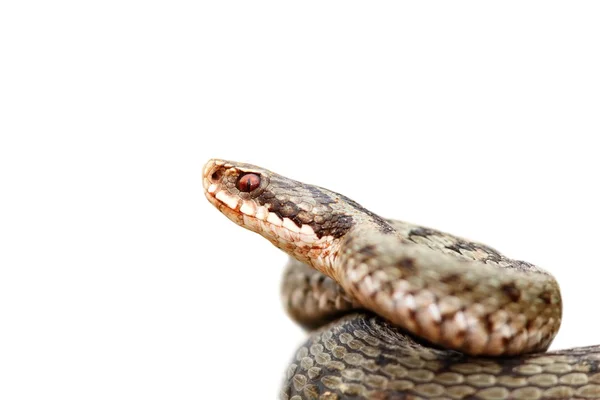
(248, 182)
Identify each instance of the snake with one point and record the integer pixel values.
(401, 311)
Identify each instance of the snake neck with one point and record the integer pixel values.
(358, 221)
(326, 255)
(308, 222)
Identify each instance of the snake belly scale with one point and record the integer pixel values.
(400, 311)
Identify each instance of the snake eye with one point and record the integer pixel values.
(248, 182)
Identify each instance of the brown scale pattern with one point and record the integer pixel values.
(311, 298)
(305, 205)
(453, 292)
(409, 283)
(363, 357)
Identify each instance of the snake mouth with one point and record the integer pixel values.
(244, 212)
(219, 178)
(216, 192)
(221, 187)
(212, 174)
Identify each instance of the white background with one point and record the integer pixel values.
(119, 280)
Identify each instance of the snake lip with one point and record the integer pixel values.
(220, 182)
(208, 174)
(215, 189)
(211, 178)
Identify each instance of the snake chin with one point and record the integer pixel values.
(261, 210)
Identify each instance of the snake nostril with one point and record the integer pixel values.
(216, 175)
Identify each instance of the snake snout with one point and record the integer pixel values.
(212, 172)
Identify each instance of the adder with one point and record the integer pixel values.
(400, 311)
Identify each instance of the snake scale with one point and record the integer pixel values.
(400, 311)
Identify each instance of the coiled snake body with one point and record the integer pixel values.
(402, 311)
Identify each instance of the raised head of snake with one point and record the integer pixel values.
(454, 293)
(306, 221)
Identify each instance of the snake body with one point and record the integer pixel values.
(402, 311)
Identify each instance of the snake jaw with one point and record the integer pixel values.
(261, 212)
(281, 232)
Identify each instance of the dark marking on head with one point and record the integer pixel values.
(303, 217)
(327, 213)
(297, 221)
(288, 210)
(328, 222)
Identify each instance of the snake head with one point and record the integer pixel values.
(305, 221)
(233, 187)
